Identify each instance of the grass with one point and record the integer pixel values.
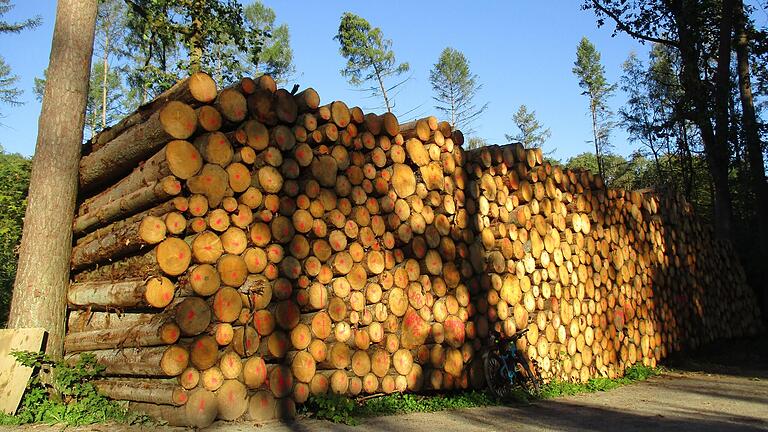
(633, 374)
(341, 409)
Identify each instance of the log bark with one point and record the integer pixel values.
(143, 390)
(123, 240)
(134, 267)
(196, 89)
(86, 320)
(155, 292)
(164, 361)
(178, 158)
(136, 201)
(175, 121)
(164, 333)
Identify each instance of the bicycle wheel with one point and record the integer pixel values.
(525, 377)
(497, 384)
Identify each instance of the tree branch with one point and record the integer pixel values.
(625, 28)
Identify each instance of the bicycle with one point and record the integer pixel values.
(506, 367)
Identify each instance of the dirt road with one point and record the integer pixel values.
(677, 401)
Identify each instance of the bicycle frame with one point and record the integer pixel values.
(507, 360)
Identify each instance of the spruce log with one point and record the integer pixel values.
(178, 158)
(160, 361)
(138, 200)
(143, 390)
(199, 411)
(123, 240)
(307, 100)
(86, 320)
(176, 204)
(134, 267)
(163, 333)
(155, 292)
(194, 90)
(232, 399)
(176, 120)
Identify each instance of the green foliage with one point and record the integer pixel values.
(97, 115)
(275, 57)
(639, 372)
(70, 398)
(16, 27)
(333, 407)
(532, 133)
(633, 173)
(591, 75)
(14, 182)
(455, 88)
(341, 409)
(369, 56)
(476, 142)
(167, 39)
(9, 93)
(654, 118)
(403, 403)
(632, 374)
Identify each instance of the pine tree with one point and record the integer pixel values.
(455, 88)
(532, 133)
(591, 74)
(9, 93)
(369, 57)
(275, 56)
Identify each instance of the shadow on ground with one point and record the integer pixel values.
(720, 387)
(746, 357)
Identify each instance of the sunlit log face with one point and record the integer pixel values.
(311, 248)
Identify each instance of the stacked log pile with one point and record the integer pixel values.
(602, 278)
(240, 250)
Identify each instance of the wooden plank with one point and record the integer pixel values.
(13, 376)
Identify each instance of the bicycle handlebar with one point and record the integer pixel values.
(514, 337)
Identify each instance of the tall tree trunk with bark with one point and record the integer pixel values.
(39, 296)
(383, 89)
(715, 139)
(105, 75)
(720, 154)
(754, 148)
(598, 154)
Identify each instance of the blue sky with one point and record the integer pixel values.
(522, 51)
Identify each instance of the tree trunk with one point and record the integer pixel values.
(104, 77)
(39, 296)
(598, 156)
(720, 153)
(383, 90)
(715, 141)
(754, 148)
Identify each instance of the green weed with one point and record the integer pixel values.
(333, 407)
(342, 409)
(632, 374)
(69, 398)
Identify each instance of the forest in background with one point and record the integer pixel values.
(687, 112)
